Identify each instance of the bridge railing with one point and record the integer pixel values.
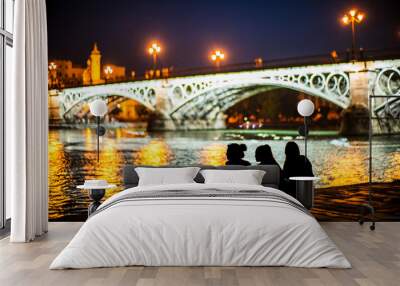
(334, 57)
(340, 57)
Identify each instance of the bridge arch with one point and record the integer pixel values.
(333, 87)
(72, 100)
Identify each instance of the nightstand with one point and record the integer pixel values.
(97, 189)
(305, 190)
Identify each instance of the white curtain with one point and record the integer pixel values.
(27, 124)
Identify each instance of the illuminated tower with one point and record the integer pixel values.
(95, 65)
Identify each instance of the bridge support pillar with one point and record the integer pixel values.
(217, 122)
(160, 119)
(354, 119)
(54, 107)
(159, 122)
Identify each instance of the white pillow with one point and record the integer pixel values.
(166, 176)
(248, 177)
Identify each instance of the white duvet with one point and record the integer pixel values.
(193, 231)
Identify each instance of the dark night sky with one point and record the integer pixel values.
(188, 30)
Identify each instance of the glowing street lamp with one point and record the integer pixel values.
(154, 50)
(108, 72)
(217, 56)
(305, 108)
(53, 74)
(98, 108)
(258, 62)
(353, 17)
(52, 66)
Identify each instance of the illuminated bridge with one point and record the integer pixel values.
(199, 101)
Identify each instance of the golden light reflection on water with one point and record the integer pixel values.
(110, 167)
(392, 172)
(110, 160)
(90, 167)
(118, 133)
(155, 153)
(58, 178)
(88, 136)
(213, 154)
(73, 159)
(344, 168)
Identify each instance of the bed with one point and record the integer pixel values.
(197, 224)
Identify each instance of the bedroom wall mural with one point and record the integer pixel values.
(162, 111)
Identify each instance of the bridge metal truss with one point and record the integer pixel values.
(207, 96)
(208, 105)
(203, 96)
(142, 92)
(387, 83)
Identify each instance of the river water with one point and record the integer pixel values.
(72, 158)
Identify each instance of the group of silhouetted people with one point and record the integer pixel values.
(295, 164)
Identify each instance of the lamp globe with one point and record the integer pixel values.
(305, 107)
(98, 107)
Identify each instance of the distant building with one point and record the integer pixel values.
(95, 73)
(113, 72)
(63, 73)
(92, 73)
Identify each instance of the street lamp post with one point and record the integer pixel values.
(305, 108)
(353, 17)
(217, 56)
(154, 50)
(108, 72)
(98, 108)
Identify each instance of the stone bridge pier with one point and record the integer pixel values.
(367, 79)
(163, 121)
(355, 118)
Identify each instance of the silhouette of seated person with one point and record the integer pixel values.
(265, 157)
(235, 154)
(295, 165)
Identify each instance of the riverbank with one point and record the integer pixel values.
(343, 203)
